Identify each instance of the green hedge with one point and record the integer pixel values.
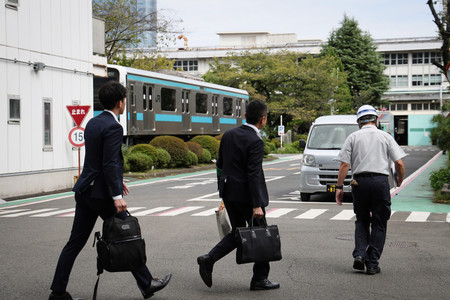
(139, 162)
(208, 142)
(196, 148)
(439, 178)
(145, 149)
(176, 147)
(163, 158)
(206, 157)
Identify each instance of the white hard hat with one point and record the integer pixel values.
(366, 110)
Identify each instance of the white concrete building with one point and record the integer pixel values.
(416, 93)
(47, 62)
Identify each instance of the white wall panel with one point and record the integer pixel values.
(12, 27)
(2, 25)
(24, 26)
(47, 22)
(34, 30)
(56, 28)
(75, 29)
(66, 34)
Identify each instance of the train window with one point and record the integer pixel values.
(215, 100)
(238, 108)
(228, 106)
(201, 103)
(132, 94)
(185, 101)
(144, 98)
(168, 100)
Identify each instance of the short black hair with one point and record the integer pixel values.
(255, 110)
(110, 93)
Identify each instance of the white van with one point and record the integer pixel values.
(320, 167)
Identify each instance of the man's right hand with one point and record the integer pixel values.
(258, 212)
(120, 205)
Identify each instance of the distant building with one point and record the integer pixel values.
(46, 63)
(148, 38)
(417, 88)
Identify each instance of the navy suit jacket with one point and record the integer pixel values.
(240, 158)
(103, 163)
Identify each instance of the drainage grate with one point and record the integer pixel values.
(401, 244)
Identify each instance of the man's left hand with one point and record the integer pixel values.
(339, 196)
(126, 190)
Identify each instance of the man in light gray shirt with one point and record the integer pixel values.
(369, 151)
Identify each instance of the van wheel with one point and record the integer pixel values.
(305, 197)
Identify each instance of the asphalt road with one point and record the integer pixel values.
(178, 223)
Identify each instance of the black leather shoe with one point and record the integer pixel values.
(373, 271)
(56, 296)
(358, 263)
(156, 285)
(264, 284)
(206, 264)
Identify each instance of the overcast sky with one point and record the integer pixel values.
(309, 19)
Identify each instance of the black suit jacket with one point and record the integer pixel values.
(240, 159)
(103, 163)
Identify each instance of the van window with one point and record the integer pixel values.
(330, 136)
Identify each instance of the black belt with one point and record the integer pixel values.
(368, 175)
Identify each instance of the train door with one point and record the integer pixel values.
(147, 107)
(401, 130)
(185, 112)
(132, 119)
(240, 104)
(214, 113)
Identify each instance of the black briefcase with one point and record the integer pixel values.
(258, 243)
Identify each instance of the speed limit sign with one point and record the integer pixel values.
(76, 136)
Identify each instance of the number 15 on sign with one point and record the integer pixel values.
(76, 136)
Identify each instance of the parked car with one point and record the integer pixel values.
(319, 170)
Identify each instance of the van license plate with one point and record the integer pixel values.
(331, 188)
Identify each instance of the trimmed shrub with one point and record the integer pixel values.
(266, 150)
(163, 158)
(126, 165)
(139, 162)
(219, 137)
(206, 157)
(176, 147)
(145, 149)
(271, 145)
(276, 142)
(196, 148)
(439, 178)
(208, 142)
(193, 158)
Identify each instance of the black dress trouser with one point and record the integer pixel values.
(87, 211)
(240, 215)
(372, 206)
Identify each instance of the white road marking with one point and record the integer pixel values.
(311, 214)
(178, 211)
(346, 214)
(417, 216)
(27, 212)
(151, 211)
(278, 212)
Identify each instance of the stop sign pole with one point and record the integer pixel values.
(76, 135)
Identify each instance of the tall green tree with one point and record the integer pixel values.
(442, 21)
(151, 62)
(299, 89)
(440, 135)
(125, 25)
(363, 64)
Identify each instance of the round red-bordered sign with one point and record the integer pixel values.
(76, 136)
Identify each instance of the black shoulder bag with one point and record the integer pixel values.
(258, 243)
(120, 248)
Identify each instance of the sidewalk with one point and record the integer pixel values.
(416, 194)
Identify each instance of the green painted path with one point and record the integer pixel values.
(416, 193)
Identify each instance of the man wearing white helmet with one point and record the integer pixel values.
(368, 152)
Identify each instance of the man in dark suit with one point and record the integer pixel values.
(99, 191)
(243, 188)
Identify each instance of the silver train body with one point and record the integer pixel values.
(160, 104)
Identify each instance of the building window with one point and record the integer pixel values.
(395, 58)
(402, 106)
(201, 103)
(168, 100)
(400, 80)
(417, 80)
(392, 107)
(186, 65)
(416, 106)
(426, 57)
(14, 110)
(47, 123)
(435, 106)
(12, 3)
(425, 106)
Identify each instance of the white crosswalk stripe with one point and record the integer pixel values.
(53, 213)
(11, 211)
(151, 211)
(418, 216)
(31, 212)
(278, 212)
(346, 214)
(206, 213)
(179, 211)
(311, 214)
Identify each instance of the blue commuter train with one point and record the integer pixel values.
(161, 104)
